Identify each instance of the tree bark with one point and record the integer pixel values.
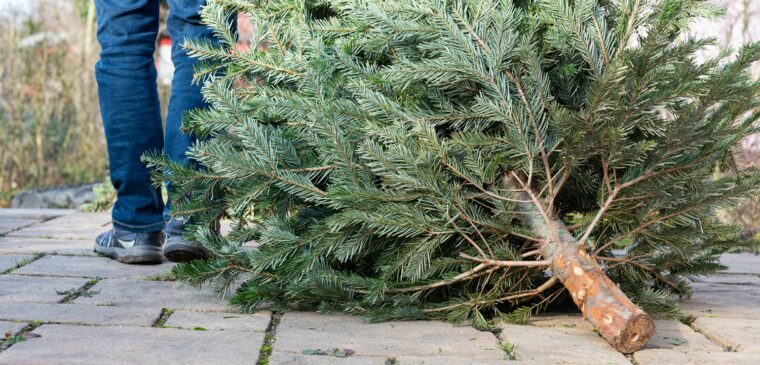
(623, 324)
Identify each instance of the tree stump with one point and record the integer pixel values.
(623, 324)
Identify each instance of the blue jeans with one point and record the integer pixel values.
(129, 103)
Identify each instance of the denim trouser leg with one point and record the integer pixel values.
(129, 104)
(126, 75)
(183, 22)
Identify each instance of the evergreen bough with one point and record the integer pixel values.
(406, 159)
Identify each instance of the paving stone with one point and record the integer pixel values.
(712, 300)
(8, 262)
(672, 357)
(251, 245)
(122, 313)
(741, 263)
(741, 335)
(225, 227)
(88, 345)
(12, 327)
(82, 226)
(300, 330)
(40, 214)
(17, 288)
(438, 360)
(669, 334)
(11, 224)
(257, 322)
(674, 335)
(286, 358)
(299, 359)
(728, 279)
(79, 314)
(551, 346)
(29, 245)
(78, 266)
(568, 323)
(127, 293)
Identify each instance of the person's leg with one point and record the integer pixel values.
(183, 23)
(129, 104)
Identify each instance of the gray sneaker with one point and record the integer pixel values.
(131, 248)
(180, 249)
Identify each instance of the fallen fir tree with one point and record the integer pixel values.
(464, 159)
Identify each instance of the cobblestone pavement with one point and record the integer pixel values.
(77, 308)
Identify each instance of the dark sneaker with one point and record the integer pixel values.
(180, 249)
(131, 248)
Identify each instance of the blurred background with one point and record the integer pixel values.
(52, 148)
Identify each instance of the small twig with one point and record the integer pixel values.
(599, 216)
(503, 263)
(539, 208)
(469, 220)
(313, 169)
(625, 260)
(467, 238)
(526, 294)
(563, 179)
(531, 253)
(460, 277)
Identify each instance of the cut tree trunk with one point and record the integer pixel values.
(623, 324)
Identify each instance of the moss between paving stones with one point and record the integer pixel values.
(23, 263)
(269, 339)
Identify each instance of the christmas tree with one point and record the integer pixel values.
(466, 159)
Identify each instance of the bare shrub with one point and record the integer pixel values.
(49, 116)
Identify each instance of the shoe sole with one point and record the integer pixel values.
(180, 252)
(140, 255)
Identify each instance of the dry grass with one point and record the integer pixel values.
(51, 128)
